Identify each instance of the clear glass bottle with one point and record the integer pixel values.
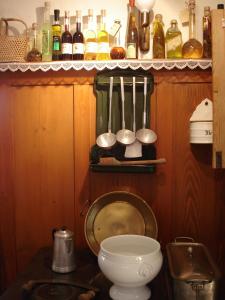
(34, 55)
(103, 39)
(78, 39)
(56, 36)
(158, 37)
(67, 39)
(173, 41)
(91, 46)
(47, 35)
(132, 33)
(192, 48)
(207, 33)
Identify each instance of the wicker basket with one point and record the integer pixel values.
(12, 48)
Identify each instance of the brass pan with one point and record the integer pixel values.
(118, 213)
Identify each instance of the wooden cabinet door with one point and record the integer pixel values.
(41, 168)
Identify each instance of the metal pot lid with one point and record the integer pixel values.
(190, 261)
(118, 213)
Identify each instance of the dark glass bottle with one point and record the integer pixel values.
(78, 39)
(158, 38)
(56, 36)
(207, 35)
(132, 33)
(67, 40)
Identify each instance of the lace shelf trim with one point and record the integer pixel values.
(110, 65)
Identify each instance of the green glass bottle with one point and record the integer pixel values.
(173, 41)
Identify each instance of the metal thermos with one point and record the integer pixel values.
(63, 251)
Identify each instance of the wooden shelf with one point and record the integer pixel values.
(154, 64)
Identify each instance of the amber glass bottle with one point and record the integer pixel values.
(158, 38)
(67, 40)
(207, 36)
(132, 33)
(192, 48)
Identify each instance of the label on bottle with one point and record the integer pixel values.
(91, 47)
(56, 43)
(67, 48)
(173, 43)
(103, 47)
(131, 50)
(78, 48)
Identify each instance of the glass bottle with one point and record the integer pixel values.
(132, 33)
(90, 39)
(207, 33)
(144, 32)
(173, 41)
(67, 40)
(117, 51)
(56, 36)
(34, 55)
(158, 38)
(47, 35)
(103, 39)
(78, 39)
(192, 48)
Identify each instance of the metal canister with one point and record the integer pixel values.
(194, 273)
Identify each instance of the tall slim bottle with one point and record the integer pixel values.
(56, 36)
(207, 33)
(192, 48)
(103, 39)
(132, 33)
(67, 40)
(91, 46)
(47, 35)
(78, 39)
(158, 38)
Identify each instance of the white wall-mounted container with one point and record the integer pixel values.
(201, 123)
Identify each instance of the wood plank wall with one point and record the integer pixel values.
(47, 127)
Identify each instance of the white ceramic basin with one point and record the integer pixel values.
(130, 262)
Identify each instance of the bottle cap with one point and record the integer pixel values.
(47, 4)
(103, 12)
(174, 21)
(78, 13)
(132, 3)
(158, 16)
(56, 14)
(67, 13)
(90, 12)
(34, 26)
(220, 6)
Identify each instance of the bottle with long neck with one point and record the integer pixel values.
(192, 48)
(34, 55)
(158, 38)
(46, 35)
(207, 36)
(132, 33)
(56, 36)
(67, 40)
(103, 39)
(91, 46)
(78, 39)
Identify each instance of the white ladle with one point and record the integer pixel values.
(124, 136)
(135, 149)
(145, 135)
(108, 139)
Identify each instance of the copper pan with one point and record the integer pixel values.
(118, 213)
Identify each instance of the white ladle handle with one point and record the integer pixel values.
(134, 105)
(110, 104)
(123, 100)
(145, 100)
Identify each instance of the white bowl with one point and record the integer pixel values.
(130, 262)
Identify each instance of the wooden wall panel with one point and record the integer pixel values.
(43, 175)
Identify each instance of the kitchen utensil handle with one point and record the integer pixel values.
(143, 162)
(134, 105)
(145, 102)
(110, 105)
(123, 100)
(179, 239)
